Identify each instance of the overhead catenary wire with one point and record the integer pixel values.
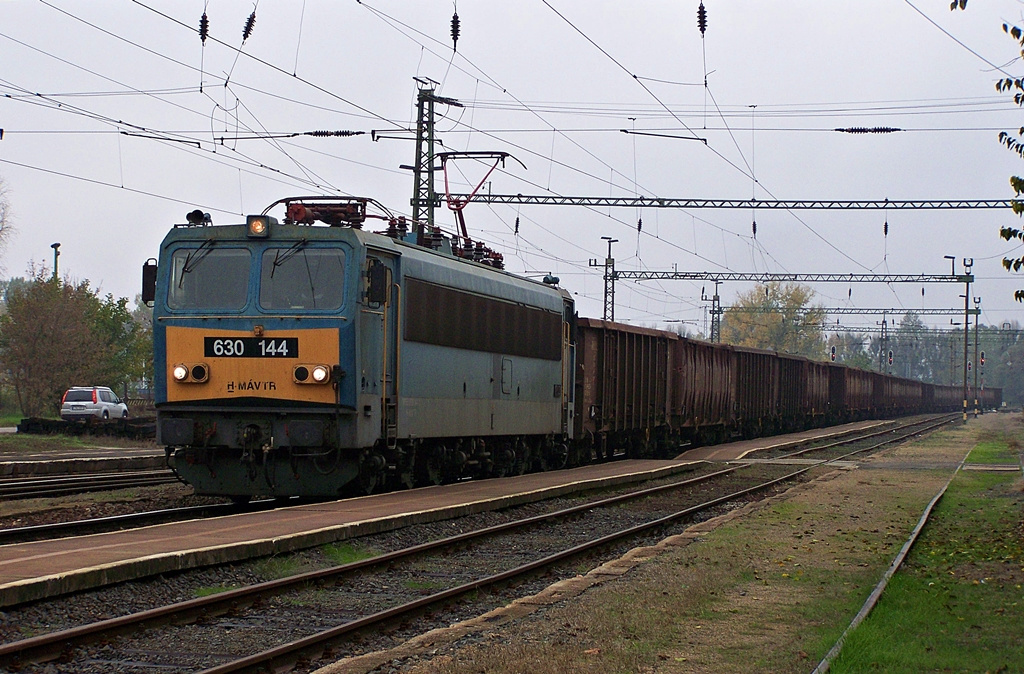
(683, 123)
(65, 107)
(313, 85)
(35, 97)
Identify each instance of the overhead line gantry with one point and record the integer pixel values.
(769, 204)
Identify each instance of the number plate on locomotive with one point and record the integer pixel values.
(251, 347)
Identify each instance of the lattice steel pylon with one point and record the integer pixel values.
(424, 198)
(609, 280)
(716, 313)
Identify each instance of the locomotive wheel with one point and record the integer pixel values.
(546, 457)
(556, 457)
(370, 475)
(519, 463)
(429, 462)
(504, 461)
(366, 483)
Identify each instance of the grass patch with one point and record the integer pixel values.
(957, 604)
(993, 451)
(272, 568)
(10, 420)
(346, 553)
(423, 586)
(208, 591)
(26, 443)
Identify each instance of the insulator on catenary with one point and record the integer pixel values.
(455, 31)
(204, 28)
(250, 23)
(327, 134)
(872, 129)
(702, 19)
(639, 224)
(753, 226)
(517, 225)
(885, 228)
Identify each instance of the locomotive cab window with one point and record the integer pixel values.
(208, 277)
(300, 278)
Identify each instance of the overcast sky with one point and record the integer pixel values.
(117, 120)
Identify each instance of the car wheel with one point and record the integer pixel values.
(124, 415)
(106, 415)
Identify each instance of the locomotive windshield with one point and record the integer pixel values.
(302, 278)
(209, 278)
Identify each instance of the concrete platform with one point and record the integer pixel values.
(36, 570)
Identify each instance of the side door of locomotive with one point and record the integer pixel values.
(379, 339)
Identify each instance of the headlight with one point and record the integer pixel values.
(311, 374)
(194, 373)
(257, 226)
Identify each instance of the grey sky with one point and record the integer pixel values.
(554, 95)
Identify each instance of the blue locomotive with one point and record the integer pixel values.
(298, 359)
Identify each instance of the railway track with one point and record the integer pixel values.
(330, 607)
(902, 431)
(63, 485)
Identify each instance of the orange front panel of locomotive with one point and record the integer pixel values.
(225, 364)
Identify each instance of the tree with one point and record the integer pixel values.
(777, 316)
(6, 226)
(57, 334)
(142, 354)
(850, 349)
(1004, 363)
(1008, 374)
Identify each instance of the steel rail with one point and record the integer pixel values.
(64, 485)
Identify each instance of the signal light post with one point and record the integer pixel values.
(977, 320)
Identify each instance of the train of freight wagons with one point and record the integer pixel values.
(310, 357)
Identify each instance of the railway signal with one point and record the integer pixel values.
(890, 356)
(832, 354)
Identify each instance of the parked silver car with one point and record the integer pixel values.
(83, 403)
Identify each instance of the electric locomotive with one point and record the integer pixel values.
(293, 358)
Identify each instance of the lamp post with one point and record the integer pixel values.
(56, 254)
